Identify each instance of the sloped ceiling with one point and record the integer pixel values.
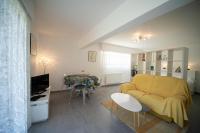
(180, 27)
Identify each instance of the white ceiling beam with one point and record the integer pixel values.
(130, 13)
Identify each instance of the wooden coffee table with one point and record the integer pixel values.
(129, 103)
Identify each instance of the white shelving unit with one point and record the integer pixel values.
(180, 60)
(166, 62)
(169, 62)
(158, 62)
(141, 63)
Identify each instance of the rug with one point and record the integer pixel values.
(149, 122)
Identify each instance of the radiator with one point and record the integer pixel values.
(113, 78)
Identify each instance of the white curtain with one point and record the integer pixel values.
(117, 63)
(14, 67)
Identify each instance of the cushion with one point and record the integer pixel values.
(136, 93)
(127, 87)
(166, 86)
(143, 81)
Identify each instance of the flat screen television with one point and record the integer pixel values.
(39, 84)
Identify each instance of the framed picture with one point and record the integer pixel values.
(33, 45)
(92, 55)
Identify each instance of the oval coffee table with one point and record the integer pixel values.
(129, 103)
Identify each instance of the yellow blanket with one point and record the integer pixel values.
(164, 95)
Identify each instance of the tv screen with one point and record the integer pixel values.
(39, 84)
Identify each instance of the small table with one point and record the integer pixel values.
(129, 103)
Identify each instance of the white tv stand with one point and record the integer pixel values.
(40, 107)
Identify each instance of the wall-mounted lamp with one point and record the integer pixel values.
(189, 67)
(44, 61)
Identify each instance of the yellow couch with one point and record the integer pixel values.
(166, 96)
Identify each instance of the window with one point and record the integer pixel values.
(117, 63)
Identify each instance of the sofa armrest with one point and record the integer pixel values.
(124, 88)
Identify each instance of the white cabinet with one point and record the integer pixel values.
(40, 107)
(39, 112)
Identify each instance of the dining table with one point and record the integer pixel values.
(83, 82)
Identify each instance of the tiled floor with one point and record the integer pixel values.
(78, 118)
(93, 117)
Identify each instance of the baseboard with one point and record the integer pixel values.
(58, 90)
(110, 85)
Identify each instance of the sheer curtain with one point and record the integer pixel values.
(14, 66)
(117, 63)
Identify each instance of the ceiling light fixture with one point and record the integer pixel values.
(137, 37)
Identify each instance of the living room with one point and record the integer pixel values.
(116, 49)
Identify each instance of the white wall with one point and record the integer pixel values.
(67, 58)
(194, 62)
(194, 55)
